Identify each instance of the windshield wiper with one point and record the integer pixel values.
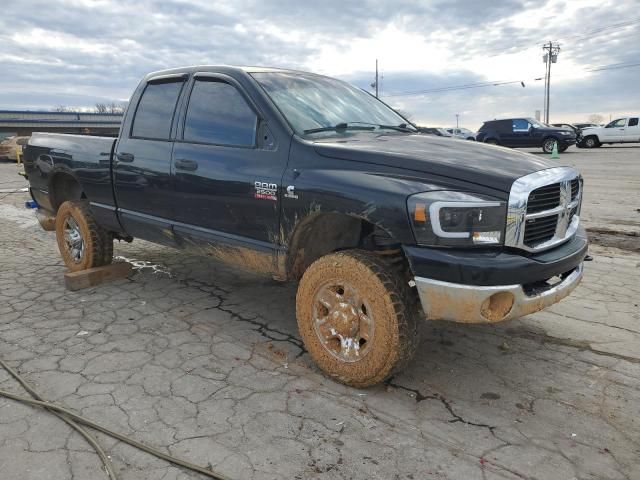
(338, 127)
(400, 128)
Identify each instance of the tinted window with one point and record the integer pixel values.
(621, 122)
(520, 125)
(633, 122)
(219, 114)
(503, 126)
(155, 110)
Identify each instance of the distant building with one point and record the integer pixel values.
(26, 122)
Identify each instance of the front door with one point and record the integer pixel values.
(144, 194)
(227, 183)
(614, 131)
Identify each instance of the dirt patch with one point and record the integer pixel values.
(245, 258)
(497, 306)
(629, 241)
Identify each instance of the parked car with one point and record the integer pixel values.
(462, 133)
(309, 179)
(572, 127)
(440, 132)
(620, 130)
(585, 125)
(525, 132)
(10, 147)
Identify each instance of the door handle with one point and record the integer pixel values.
(125, 157)
(184, 164)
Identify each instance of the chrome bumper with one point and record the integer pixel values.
(488, 304)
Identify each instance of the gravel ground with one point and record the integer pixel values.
(205, 362)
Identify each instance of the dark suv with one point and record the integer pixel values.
(525, 132)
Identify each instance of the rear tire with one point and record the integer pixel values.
(82, 242)
(357, 317)
(591, 142)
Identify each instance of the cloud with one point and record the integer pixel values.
(79, 52)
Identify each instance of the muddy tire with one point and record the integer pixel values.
(357, 317)
(82, 242)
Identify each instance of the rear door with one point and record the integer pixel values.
(632, 133)
(142, 173)
(519, 135)
(227, 169)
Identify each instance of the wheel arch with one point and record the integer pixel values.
(321, 233)
(63, 186)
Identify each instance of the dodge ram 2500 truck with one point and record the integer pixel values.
(312, 180)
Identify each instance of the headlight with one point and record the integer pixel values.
(566, 133)
(456, 219)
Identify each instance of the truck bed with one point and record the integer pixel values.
(48, 157)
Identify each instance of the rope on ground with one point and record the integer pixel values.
(71, 418)
(92, 441)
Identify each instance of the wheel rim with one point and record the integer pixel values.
(589, 142)
(548, 145)
(73, 239)
(343, 321)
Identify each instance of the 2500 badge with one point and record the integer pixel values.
(266, 191)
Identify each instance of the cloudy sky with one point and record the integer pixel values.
(79, 52)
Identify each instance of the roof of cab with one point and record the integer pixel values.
(222, 69)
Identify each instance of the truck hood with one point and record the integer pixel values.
(487, 165)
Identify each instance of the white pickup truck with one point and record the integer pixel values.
(621, 130)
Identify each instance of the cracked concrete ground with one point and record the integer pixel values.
(205, 362)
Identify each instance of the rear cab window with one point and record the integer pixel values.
(633, 122)
(156, 108)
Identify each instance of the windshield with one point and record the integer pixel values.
(312, 101)
(536, 123)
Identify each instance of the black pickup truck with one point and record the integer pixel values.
(312, 180)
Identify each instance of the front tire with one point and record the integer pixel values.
(591, 142)
(82, 242)
(491, 141)
(357, 317)
(547, 145)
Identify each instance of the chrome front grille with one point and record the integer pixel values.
(544, 198)
(538, 230)
(544, 209)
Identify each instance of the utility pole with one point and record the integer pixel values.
(457, 115)
(375, 83)
(550, 56)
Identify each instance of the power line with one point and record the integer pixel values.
(589, 33)
(453, 87)
(602, 29)
(613, 66)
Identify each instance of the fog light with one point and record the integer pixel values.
(497, 306)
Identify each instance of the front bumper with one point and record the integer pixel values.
(490, 304)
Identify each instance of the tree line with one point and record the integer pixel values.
(112, 107)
